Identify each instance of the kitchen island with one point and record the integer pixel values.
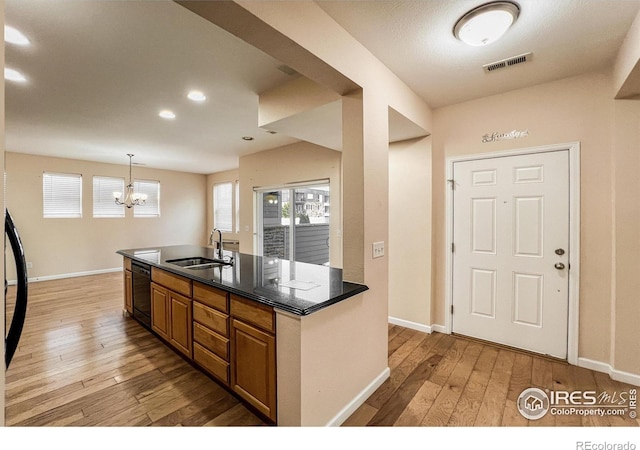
(256, 324)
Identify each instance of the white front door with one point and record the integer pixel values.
(511, 250)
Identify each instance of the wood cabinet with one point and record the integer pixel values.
(171, 317)
(253, 354)
(228, 336)
(160, 310)
(211, 330)
(180, 323)
(128, 285)
(128, 291)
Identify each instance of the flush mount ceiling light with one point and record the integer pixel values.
(196, 96)
(13, 75)
(486, 23)
(166, 114)
(131, 198)
(13, 36)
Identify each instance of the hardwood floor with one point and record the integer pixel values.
(443, 380)
(82, 363)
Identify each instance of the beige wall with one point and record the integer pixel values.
(409, 247)
(626, 292)
(574, 109)
(290, 164)
(67, 246)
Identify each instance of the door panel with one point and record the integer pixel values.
(510, 215)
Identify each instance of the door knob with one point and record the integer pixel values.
(559, 266)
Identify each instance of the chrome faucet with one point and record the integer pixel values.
(213, 232)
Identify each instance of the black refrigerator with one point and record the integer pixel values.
(14, 330)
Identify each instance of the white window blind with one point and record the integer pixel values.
(223, 206)
(104, 204)
(151, 207)
(61, 195)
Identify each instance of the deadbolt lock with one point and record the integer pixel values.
(559, 251)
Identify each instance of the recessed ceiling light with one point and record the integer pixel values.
(13, 75)
(13, 36)
(196, 96)
(247, 138)
(486, 23)
(166, 114)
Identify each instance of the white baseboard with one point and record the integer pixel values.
(439, 328)
(69, 275)
(412, 325)
(354, 404)
(618, 375)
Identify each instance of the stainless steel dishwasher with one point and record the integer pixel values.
(141, 292)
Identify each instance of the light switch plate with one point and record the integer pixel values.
(378, 249)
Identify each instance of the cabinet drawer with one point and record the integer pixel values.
(253, 312)
(211, 363)
(176, 283)
(210, 296)
(211, 341)
(211, 318)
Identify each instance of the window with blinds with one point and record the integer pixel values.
(237, 206)
(151, 207)
(104, 204)
(223, 206)
(61, 195)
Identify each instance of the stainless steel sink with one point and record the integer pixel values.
(199, 263)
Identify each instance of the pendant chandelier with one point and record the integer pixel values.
(131, 198)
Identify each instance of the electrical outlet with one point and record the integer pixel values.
(29, 265)
(378, 249)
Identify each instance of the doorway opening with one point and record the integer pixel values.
(294, 222)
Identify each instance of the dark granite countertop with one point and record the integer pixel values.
(296, 287)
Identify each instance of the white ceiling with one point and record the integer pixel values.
(99, 71)
(415, 40)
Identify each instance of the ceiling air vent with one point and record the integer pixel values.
(508, 62)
